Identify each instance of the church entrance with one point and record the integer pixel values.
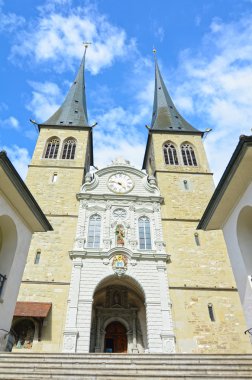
(115, 338)
(118, 317)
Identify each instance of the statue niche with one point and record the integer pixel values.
(120, 235)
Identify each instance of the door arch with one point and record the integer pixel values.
(123, 303)
(116, 338)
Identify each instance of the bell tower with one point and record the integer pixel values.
(206, 310)
(62, 156)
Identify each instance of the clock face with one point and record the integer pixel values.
(119, 213)
(120, 183)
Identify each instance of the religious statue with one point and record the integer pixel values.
(120, 235)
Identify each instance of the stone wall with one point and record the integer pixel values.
(199, 272)
(48, 281)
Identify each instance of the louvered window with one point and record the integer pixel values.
(170, 154)
(188, 155)
(52, 148)
(69, 147)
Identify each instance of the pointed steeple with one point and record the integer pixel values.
(74, 110)
(165, 116)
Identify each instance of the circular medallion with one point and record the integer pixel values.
(119, 213)
(120, 183)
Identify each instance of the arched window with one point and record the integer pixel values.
(52, 148)
(94, 231)
(144, 233)
(68, 151)
(188, 155)
(170, 154)
(24, 333)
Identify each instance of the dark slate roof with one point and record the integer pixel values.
(74, 110)
(165, 116)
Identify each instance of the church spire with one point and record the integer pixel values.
(73, 112)
(165, 116)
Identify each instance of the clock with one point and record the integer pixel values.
(120, 183)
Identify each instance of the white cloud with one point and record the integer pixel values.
(46, 98)
(160, 33)
(57, 37)
(120, 132)
(216, 86)
(10, 21)
(19, 157)
(10, 122)
(197, 20)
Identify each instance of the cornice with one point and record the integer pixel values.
(139, 255)
(120, 198)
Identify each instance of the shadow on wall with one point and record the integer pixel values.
(244, 236)
(8, 245)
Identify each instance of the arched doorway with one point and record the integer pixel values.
(118, 317)
(24, 333)
(115, 338)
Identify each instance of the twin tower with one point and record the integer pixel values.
(125, 268)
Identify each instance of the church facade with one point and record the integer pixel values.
(125, 269)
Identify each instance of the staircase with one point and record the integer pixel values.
(27, 366)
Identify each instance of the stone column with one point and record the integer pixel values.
(167, 334)
(71, 331)
(133, 242)
(98, 332)
(80, 233)
(134, 348)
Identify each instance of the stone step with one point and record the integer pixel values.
(115, 375)
(158, 377)
(107, 366)
(25, 366)
(108, 355)
(146, 357)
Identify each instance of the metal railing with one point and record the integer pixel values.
(11, 338)
(248, 331)
(2, 281)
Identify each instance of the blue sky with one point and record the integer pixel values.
(204, 50)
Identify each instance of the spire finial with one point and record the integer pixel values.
(154, 50)
(86, 44)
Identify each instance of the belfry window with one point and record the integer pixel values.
(69, 147)
(188, 155)
(170, 154)
(94, 231)
(144, 233)
(52, 148)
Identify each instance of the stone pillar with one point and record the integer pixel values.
(134, 348)
(98, 332)
(106, 225)
(71, 331)
(84, 322)
(167, 334)
(154, 326)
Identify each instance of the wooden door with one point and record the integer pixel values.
(116, 338)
